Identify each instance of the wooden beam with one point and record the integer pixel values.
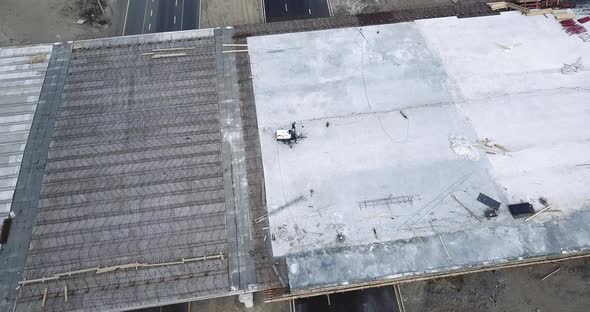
(537, 213)
(44, 297)
(173, 49)
(157, 56)
(547, 276)
(517, 7)
(234, 51)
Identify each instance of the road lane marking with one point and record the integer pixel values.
(309, 10)
(126, 13)
(182, 15)
(263, 9)
(151, 12)
(144, 16)
(176, 3)
(174, 19)
(150, 26)
(286, 9)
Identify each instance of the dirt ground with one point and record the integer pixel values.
(45, 21)
(218, 13)
(231, 304)
(518, 290)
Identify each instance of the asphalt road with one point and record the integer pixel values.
(286, 10)
(151, 16)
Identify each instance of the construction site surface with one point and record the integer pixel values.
(147, 170)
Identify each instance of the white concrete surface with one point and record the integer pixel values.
(496, 77)
(20, 87)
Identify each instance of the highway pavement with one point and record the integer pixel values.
(151, 16)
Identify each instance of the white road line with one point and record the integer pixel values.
(174, 19)
(176, 3)
(144, 16)
(151, 12)
(150, 26)
(182, 15)
(262, 8)
(126, 13)
(286, 9)
(309, 10)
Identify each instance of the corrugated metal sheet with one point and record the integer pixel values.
(22, 70)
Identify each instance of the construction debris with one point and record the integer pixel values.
(540, 12)
(563, 15)
(560, 15)
(488, 201)
(503, 5)
(537, 213)
(573, 68)
(491, 147)
(136, 266)
(387, 201)
(234, 51)
(465, 207)
(155, 52)
(521, 210)
(173, 49)
(288, 204)
(44, 300)
(490, 213)
(39, 58)
(543, 201)
(157, 56)
(548, 275)
(399, 298)
(464, 148)
(444, 246)
(276, 271)
(573, 28)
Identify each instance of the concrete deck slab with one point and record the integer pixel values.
(393, 117)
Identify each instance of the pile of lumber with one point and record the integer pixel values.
(560, 15)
